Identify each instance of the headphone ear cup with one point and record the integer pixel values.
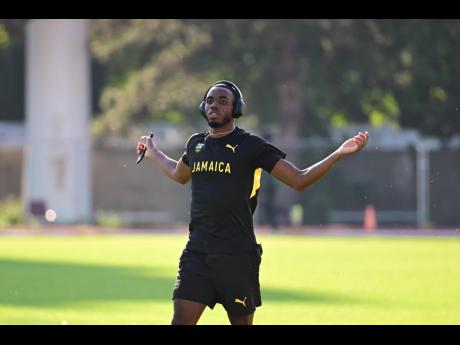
(239, 109)
(201, 108)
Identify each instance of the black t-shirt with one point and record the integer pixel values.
(226, 175)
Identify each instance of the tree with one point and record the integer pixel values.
(144, 65)
(12, 66)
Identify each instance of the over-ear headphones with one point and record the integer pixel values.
(238, 104)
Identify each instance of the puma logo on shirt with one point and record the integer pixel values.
(233, 148)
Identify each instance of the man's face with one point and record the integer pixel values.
(219, 106)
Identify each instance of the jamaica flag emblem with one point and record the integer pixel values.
(198, 147)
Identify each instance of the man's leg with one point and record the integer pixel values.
(241, 319)
(187, 312)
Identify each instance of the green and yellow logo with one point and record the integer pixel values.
(198, 147)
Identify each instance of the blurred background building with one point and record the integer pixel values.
(309, 85)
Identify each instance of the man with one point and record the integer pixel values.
(220, 263)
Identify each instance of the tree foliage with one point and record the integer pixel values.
(304, 75)
(144, 62)
(12, 72)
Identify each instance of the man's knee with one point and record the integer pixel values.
(182, 320)
(185, 318)
(241, 319)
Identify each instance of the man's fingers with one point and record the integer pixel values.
(140, 147)
(363, 137)
(144, 138)
(143, 143)
(359, 140)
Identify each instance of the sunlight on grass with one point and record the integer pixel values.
(120, 279)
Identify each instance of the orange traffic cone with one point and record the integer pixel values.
(370, 218)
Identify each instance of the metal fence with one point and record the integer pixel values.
(389, 179)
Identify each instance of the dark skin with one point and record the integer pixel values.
(218, 108)
(189, 312)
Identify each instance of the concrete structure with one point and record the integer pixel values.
(57, 141)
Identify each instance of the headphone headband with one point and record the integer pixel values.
(228, 83)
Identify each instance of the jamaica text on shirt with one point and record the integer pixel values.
(215, 166)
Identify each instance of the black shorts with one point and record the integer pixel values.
(229, 279)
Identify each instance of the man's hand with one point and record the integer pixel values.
(354, 144)
(175, 170)
(146, 141)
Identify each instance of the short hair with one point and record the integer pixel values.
(228, 87)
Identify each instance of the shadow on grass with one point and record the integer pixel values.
(42, 284)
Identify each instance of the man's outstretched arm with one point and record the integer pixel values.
(300, 180)
(175, 170)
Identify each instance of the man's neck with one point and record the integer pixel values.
(222, 131)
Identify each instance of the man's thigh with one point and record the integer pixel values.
(193, 280)
(236, 279)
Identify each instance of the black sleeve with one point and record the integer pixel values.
(185, 158)
(184, 155)
(267, 155)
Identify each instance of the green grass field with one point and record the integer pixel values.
(128, 279)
